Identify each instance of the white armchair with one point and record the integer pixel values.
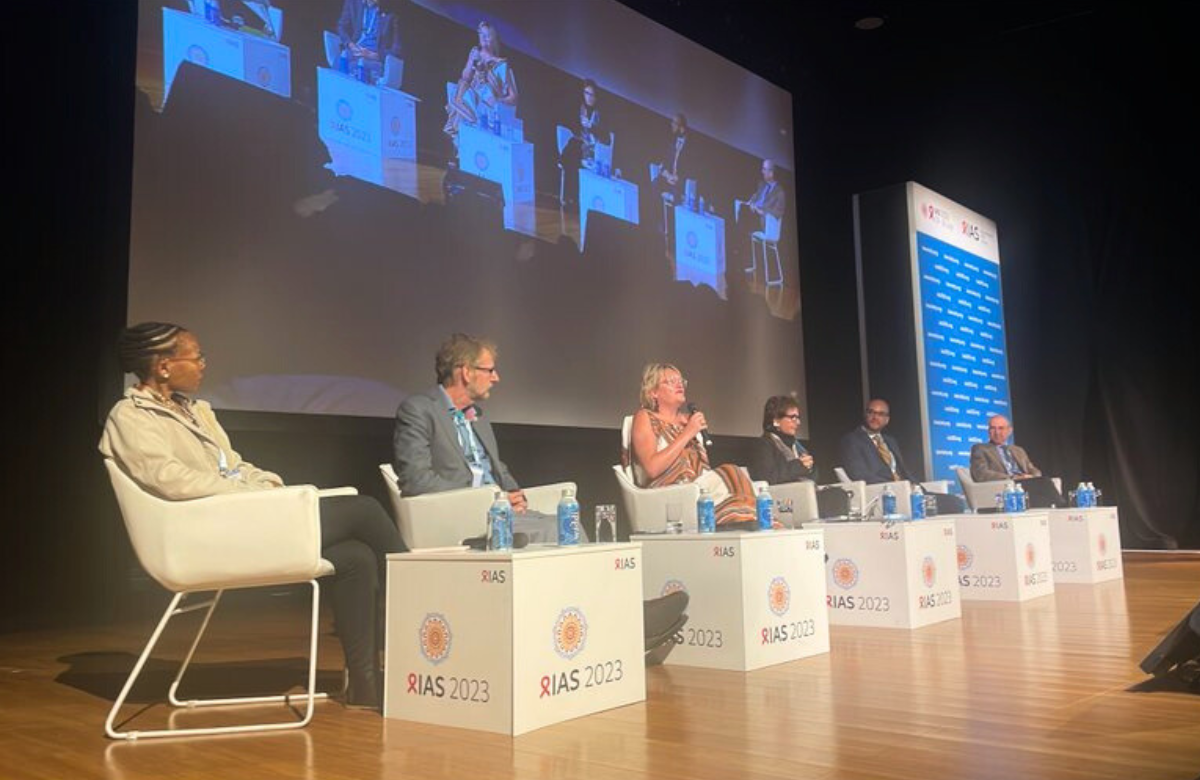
(646, 508)
(982, 495)
(803, 498)
(446, 519)
(225, 542)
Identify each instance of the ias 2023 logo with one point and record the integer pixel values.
(197, 54)
(264, 76)
(570, 632)
(966, 558)
(435, 638)
(345, 111)
(673, 586)
(845, 573)
(779, 596)
(481, 161)
(929, 571)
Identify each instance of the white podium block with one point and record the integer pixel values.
(511, 642)
(897, 576)
(755, 598)
(1086, 544)
(1004, 557)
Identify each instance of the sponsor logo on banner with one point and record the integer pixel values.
(481, 161)
(345, 110)
(435, 638)
(779, 596)
(264, 76)
(939, 216)
(197, 54)
(570, 632)
(673, 586)
(966, 558)
(845, 573)
(1030, 555)
(928, 571)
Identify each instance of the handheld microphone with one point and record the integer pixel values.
(703, 434)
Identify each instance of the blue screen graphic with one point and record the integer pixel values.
(966, 368)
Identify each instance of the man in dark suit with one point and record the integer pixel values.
(873, 456)
(997, 459)
(369, 31)
(672, 172)
(870, 454)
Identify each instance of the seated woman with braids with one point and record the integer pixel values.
(667, 451)
(172, 445)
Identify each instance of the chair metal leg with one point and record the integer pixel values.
(774, 247)
(310, 695)
(753, 268)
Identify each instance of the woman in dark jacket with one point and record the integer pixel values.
(779, 456)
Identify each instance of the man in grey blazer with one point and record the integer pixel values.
(442, 440)
(996, 459)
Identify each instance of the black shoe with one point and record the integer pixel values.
(365, 691)
(662, 617)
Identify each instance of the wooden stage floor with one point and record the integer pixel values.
(1039, 690)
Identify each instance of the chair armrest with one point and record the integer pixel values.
(250, 538)
(544, 498)
(337, 491)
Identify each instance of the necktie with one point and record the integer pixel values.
(1009, 462)
(884, 453)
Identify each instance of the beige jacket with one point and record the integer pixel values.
(168, 455)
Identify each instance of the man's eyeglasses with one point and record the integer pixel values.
(489, 369)
(878, 413)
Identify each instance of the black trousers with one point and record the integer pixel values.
(356, 536)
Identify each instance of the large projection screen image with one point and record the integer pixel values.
(324, 190)
(959, 313)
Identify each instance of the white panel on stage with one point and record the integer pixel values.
(1004, 557)
(755, 598)
(1086, 544)
(366, 118)
(253, 59)
(500, 159)
(700, 249)
(615, 197)
(511, 642)
(892, 576)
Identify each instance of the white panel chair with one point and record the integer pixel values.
(446, 519)
(646, 508)
(802, 495)
(982, 495)
(562, 136)
(768, 240)
(237, 540)
(393, 72)
(333, 48)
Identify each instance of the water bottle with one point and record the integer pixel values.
(1093, 495)
(500, 523)
(360, 70)
(706, 513)
(568, 518)
(1010, 497)
(764, 506)
(343, 62)
(918, 503)
(212, 11)
(496, 122)
(888, 500)
(1022, 498)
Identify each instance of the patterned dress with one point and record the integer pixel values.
(728, 485)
